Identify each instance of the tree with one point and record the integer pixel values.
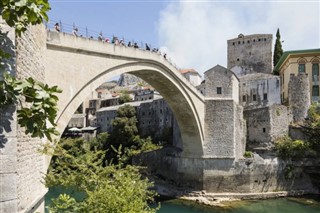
(39, 110)
(79, 165)
(124, 98)
(277, 51)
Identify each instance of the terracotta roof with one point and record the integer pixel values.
(183, 71)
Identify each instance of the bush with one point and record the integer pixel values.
(287, 148)
(248, 154)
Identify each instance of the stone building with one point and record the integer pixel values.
(191, 75)
(259, 90)
(143, 95)
(77, 120)
(299, 61)
(154, 116)
(224, 124)
(253, 53)
(250, 59)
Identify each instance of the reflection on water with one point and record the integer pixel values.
(306, 204)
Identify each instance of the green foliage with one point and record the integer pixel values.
(312, 126)
(110, 188)
(248, 154)
(40, 103)
(124, 138)
(287, 148)
(20, 13)
(277, 51)
(40, 111)
(124, 98)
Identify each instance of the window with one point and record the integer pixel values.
(254, 97)
(315, 90)
(238, 59)
(219, 90)
(264, 130)
(315, 72)
(265, 96)
(243, 98)
(301, 68)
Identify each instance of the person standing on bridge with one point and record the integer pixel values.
(75, 32)
(57, 27)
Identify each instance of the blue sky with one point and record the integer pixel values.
(194, 33)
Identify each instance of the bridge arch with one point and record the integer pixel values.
(87, 69)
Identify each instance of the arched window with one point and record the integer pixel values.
(315, 69)
(302, 65)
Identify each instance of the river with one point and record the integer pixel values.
(306, 204)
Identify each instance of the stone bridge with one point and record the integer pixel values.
(211, 128)
(79, 65)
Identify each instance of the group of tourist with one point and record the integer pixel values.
(114, 40)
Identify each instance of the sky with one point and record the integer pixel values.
(194, 33)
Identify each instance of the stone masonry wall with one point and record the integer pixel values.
(252, 52)
(30, 164)
(220, 129)
(8, 133)
(299, 96)
(265, 125)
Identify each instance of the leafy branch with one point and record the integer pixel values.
(40, 104)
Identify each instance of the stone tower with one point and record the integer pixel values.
(299, 96)
(253, 53)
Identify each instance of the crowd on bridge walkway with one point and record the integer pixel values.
(111, 39)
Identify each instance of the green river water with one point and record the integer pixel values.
(306, 204)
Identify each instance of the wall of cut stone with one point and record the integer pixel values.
(220, 77)
(226, 175)
(251, 52)
(280, 120)
(220, 128)
(265, 125)
(299, 96)
(8, 131)
(258, 128)
(31, 165)
(264, 88)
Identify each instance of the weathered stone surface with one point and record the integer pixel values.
(251, 52)
(299, 96)
(8, 163)
(9, 206)
(8, 188)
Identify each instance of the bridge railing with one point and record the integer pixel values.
(93, 34)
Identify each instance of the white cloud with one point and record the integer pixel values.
(195, 34)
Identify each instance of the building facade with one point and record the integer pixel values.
(299, 62)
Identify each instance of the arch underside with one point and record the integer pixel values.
(164, 82)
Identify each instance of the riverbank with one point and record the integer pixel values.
(217, 199)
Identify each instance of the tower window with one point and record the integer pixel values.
(264, 130)
(243, 98)
(254, 97)
(219, 90)
(265, 96)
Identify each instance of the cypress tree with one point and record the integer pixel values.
(277, 51)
